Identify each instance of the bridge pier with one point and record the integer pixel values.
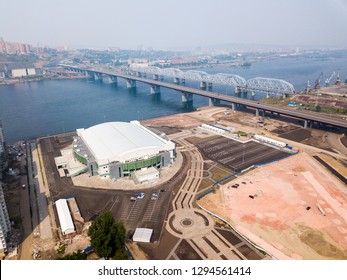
(256, 112)
(162, 77)
(267, 95)
(213, 101)
(138, 74)
(187, 98)
(183, 81)
(307, 124)
(202, 84)
(131, 83)
(86, 73)
(97, 77)
(154, 89)
(144, 75)
(233, 106)
(109, 79)
(176, 80)
(238, 90)
(284, 95)
(114, 80)
(155, 77)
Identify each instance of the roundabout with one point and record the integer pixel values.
(189, 223)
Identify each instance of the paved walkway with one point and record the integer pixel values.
(42, 193)
(334, 141)
(195, 225)
(25, 252)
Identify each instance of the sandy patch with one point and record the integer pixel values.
(285, 219)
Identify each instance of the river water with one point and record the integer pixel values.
(34, 109)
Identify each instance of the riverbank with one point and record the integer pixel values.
(38, 78)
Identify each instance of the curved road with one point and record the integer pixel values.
(334, 141)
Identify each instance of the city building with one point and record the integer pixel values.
(22, 72)
(5, 225)
(16, 73)
(13, 47)
(115, 149)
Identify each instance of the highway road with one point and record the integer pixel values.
(295, 113)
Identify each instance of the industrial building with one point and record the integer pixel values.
(23, 72)
(272, 142)
(214, 128)
(5, 225)
(116, 149)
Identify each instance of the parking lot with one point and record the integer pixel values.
(143, 212)
(237, 155)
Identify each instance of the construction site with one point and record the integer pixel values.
(241, 187)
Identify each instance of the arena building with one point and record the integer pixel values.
(115, 149)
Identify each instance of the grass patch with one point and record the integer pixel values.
(205, 183)
(61, 249)
(275, 100)
(241, 133)
(224, 168)
(219, 174)
(207, 166)
(333, 110)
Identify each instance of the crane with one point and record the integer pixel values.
(308, 87)
(327, 81)
(317, 81)
(338, 82)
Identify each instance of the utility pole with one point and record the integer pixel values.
(243, 156)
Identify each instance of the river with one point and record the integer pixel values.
(41, 108)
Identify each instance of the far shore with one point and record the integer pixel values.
(40, 78)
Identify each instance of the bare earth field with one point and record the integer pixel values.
(283, 217)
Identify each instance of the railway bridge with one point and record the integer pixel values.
(307, 117)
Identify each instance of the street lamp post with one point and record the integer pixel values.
(243, 156)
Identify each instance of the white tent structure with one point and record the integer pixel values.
(143, 235)
(65, 220)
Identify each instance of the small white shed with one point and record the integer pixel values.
(143, 235)
(65, 220)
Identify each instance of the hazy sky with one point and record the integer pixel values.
(175, 23)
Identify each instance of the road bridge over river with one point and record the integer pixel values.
(214, 98)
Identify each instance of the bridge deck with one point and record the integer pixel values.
(304, 115)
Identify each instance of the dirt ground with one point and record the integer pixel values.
(276, 219)
(283, 216)
(167, 123)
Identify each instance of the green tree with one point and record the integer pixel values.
(79, 255)
(120, 255)
(106, 235)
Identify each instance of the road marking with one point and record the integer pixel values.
(114, 203)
